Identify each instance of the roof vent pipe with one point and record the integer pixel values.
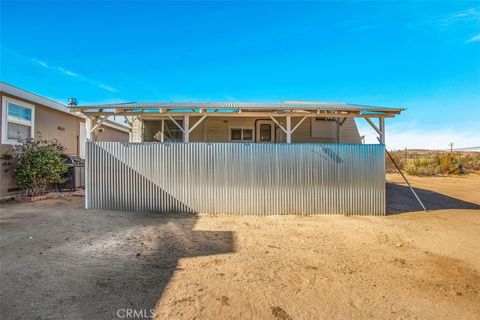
(72, 102)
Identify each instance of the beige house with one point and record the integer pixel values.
(285, 122)
(27, 115)
(291, 157)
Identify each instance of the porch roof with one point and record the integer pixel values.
(132, 111)
(285, 106)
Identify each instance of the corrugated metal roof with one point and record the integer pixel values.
(286, 105)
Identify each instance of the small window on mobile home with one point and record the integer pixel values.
(241, 134)
(18, 121)
(324, 128)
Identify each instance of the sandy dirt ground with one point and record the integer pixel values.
(61, 261)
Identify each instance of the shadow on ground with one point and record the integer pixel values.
(400, 199)
(59, 262)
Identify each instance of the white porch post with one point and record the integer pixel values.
(162, 136)
(289, 129)
(382, 130)
(88, 127)
(186, 128)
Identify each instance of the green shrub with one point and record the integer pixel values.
(36, 164)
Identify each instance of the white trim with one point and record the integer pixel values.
(241, 128)
(5, 121)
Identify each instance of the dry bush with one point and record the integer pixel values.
(471, 162)
(424, 166)
(429, 163)
(450, 164)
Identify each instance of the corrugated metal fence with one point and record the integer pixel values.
(236, 178)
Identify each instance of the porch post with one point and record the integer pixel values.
(382, 130)
(289, 129)
(186, 128)
(88, 127)
(162, 136)
(338, 130)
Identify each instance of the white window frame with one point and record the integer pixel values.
(31, 123)
(241, 128)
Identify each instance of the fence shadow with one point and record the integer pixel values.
(142, 279)
(400, 199)
(82, 264)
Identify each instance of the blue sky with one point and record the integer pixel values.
(424, 56)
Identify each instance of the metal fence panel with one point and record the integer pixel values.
(236, 178)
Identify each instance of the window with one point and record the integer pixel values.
(18, 120)
(241, 134)
(172, 131)
(153, 130)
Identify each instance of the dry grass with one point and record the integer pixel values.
(434, 163)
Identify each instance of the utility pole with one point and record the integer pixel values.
(451, 146)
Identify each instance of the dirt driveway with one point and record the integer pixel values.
(61, 261)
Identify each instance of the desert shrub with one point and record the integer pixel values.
(436, 164)
(471, 162)
(450, 164)
(423, 166)
(430, 163)
(36, 164)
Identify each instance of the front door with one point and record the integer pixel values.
(265, 131)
